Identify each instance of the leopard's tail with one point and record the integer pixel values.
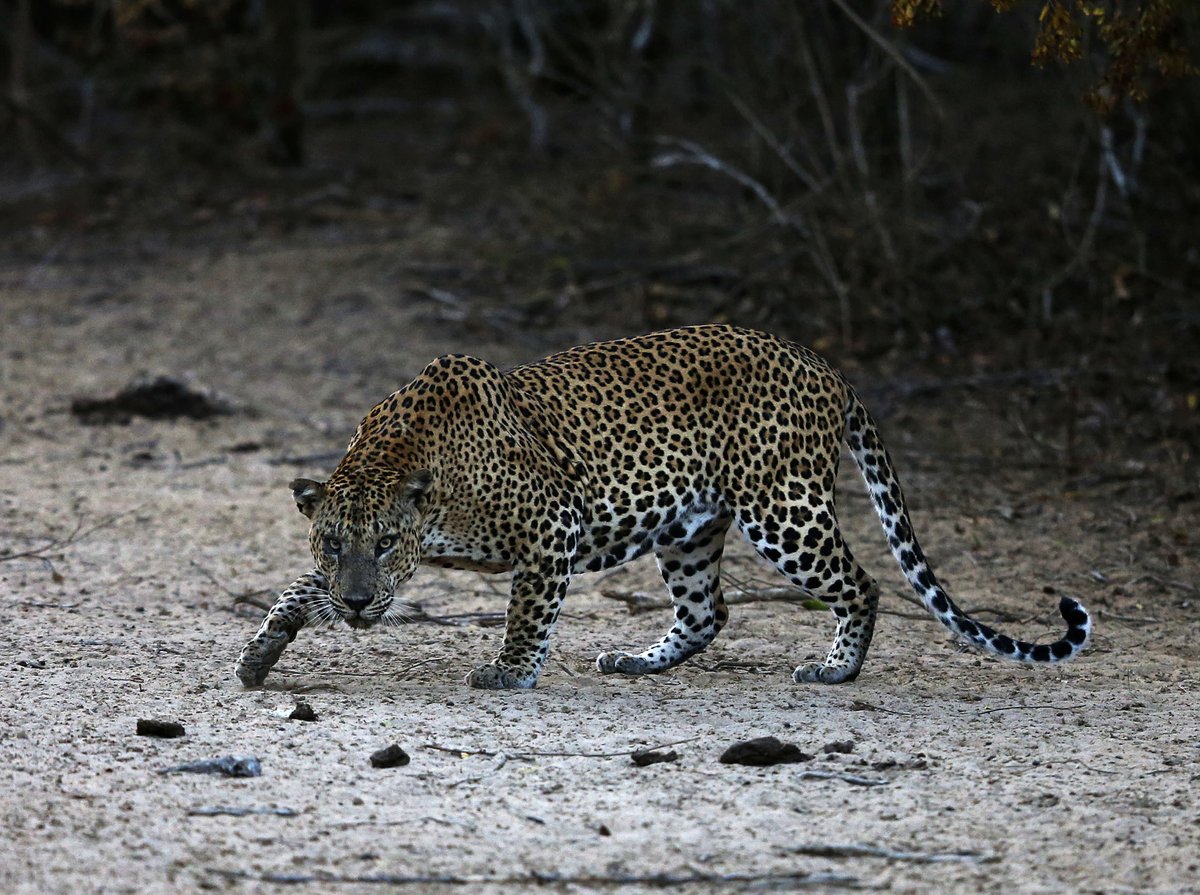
(876, 468)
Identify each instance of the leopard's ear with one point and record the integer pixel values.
(416, 487)
(308, 495)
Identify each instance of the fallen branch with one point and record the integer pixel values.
(78, 533)
(306, 459)
(859, 705)
(460, 619)
(854, 779)
(390, 673)
(1164, 583)
(856, 850)
(1130, 619)
(1002, 614)
(1012, 708)
(619, 880)
(248, 597)
(641, 601)
(231, 811)
(501, 761)
(732, 665)
(555, 754)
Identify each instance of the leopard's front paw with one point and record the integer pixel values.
(501, 677)
(259, 657)
(618, 662)
(817, 673)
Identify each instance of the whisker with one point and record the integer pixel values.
(399, 613)
(322, 612)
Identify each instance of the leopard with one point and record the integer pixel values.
(600, 454)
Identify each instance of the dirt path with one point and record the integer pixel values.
(991, 778)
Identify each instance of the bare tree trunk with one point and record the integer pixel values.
(18, 94)
(286, 120)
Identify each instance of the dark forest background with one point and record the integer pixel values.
(911, 197)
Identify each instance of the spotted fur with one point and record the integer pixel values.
(600, 454)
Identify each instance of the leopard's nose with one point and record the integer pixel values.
(356, 604)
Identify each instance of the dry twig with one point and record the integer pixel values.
(688, 152)
(641, 601)
(857, 850)
(854, 779)
(556, 754)
(249, 597)
(78, 533)
(896, 56)
(1013, 708)
(607, 881)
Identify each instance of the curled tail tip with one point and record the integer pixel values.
(1079, 632)
(1079, 623)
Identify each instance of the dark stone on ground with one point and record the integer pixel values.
(643, 757)
(302, 712)
(148, 727)
(762, 752)
(391, 757)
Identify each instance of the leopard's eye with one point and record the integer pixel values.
(384, 544)
(333, 546)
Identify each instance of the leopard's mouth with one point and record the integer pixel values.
(358, 620)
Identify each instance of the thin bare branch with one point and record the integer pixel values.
(892, 51)
(859, 153)
(1084, 250)
(768, 136)
(692, 153)
(824, 109)
(78, 533)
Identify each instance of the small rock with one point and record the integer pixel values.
(149, 727)
(391, 757)
(603, 830)
(302, 712)
(762, 752)
(838, 747)
(643, 757)
(226, 765)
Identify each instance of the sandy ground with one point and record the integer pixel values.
(992, 778)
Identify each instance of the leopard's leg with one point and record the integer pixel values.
(692, 572)
(300, 604)
(805, 544)
(532, 611)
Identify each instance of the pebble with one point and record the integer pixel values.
(390, 757)
(149, 727)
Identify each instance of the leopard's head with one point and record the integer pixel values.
(365, 538)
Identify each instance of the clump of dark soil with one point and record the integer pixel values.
(161, 398)
(149, 727)
(762, 752)
(302, 712)
(644, 757)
